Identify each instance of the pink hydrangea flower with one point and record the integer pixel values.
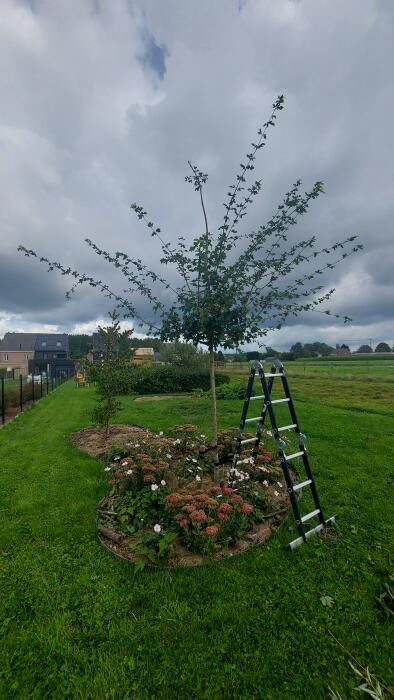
(211, 530)
(247, 508)
(198, 516)
(225, 508)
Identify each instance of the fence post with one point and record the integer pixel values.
(47, 383)
(2, 401)
(41, 383)
(21, 392)
(33, 389)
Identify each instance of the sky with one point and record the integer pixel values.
(103, 103)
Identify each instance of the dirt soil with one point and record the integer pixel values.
(96, 444)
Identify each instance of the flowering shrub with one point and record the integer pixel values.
(212, 519)
(163, 488)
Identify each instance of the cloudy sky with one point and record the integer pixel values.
(104, 101)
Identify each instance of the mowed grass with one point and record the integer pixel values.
(76, 623)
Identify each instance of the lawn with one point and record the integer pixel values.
(76, 623)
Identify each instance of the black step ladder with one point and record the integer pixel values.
(277, 370)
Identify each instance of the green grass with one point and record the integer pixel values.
(76, 623)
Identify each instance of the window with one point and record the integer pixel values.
(6, 357)
(26, 357)
(58, 344)
(44, 344)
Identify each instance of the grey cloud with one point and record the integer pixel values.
(105, 103)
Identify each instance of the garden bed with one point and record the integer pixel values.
(169, 504)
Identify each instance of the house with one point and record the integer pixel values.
(342, 350)
(142, 357)
(51, 354)
(16, 349)
(23, 353)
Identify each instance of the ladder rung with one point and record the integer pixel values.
(287, 427)
(293, 456)
(276, 374)
(244, 442)
(300, 540)
(254, 398)
(301, 485)
(252, 420)
(310, 515)
(280, 400)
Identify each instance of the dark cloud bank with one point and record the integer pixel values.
(103, 103)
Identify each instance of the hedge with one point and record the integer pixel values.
(165, 379)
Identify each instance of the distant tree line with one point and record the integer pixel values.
(187, 355)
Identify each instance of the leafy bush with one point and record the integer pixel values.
(233, 391)
(164, 379)
(11, 396)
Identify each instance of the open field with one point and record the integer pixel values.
(76, 623)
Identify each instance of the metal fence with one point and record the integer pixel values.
(19, 392)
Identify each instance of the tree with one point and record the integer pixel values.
(79, 345)
(297, 350)
(106, 372)
(365, 348)
(382, 347)
(184, 355)
(253, 355)
(235, 286)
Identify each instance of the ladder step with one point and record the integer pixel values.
(244, 442)
(293, 456)
(275, 374)
(254, 398)
(299, 540)
(287, 427)
(280, 401)
(252, 420)
(301, 485)
(310, 515)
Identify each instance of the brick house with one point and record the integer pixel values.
(35, 352)
(16, 349)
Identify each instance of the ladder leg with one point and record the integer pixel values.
(243, 416)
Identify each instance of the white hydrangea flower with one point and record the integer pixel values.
(194, 460)
(129, 471)
(116, 459)
(265, 482)
(107, 469)
(154, 487)
(203, 436)
(163, 483)
(276, 493)
(198, 478)
(161, 433)
(157, 528)
(169, 456)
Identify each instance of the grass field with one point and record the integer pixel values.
(75, 623)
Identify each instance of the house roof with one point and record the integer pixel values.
(34, 341)
(51, 341)
(18, 341)
(143, 352)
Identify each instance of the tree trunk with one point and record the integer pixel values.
(214, 419)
